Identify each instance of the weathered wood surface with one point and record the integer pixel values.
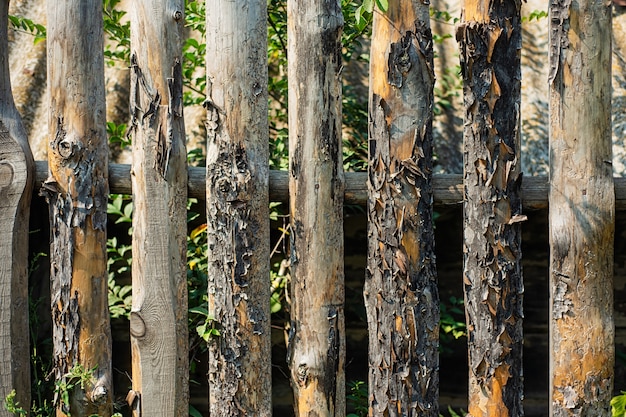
(316, 182)
(400, 292)
(490, 42)
(447, 188)
(16, 178)
(582, 217)
(77, 192)
(237, 200)
(158, 319)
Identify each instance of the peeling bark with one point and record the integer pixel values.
(400, 292)
(582, 216)
(237, 192)
(158, 320)
(490, 40)
(316, 181)
(16, 182)
(77, 193)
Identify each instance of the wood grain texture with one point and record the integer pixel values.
(237, 200)
(316, 184)
(582, 217)
(158, 319)
(490, 42)
(77, 192)
(16, 178)
(401, 296)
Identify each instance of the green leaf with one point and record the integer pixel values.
(618, 405)
(383, 5)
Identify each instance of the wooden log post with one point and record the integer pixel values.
(582, 216)
(316, 182)
(158, 320)
(77, 193)
(490, 41)
(237, 197)
(401, 295)
(16, 182)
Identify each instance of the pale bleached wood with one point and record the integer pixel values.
(316, 185)
(77, 193)
(16, 177)
(158, 319)
(237, 201)
(582, 211)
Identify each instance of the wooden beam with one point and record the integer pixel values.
(447, 188)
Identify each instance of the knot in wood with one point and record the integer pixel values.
(6, 174)
(177, 15)
(99, 393)
(302, 375)
(65, 148)
(137, 325)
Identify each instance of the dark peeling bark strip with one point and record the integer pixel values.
(582, 216)
(490, 40)
(316, 337)
(401, 294)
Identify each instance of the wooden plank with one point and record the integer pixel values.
(316, 184)
(77, 192)
(447, 188)
(158, 319)
(16, 178)
(401, 295)
(237, 200)
(490, 38)
(582, 215)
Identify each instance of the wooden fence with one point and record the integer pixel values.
(401, 294)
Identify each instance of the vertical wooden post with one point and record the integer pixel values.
(582, 209)
(16, 182)
(401, 294)
(490, 40)
(77, 193)
(158, 320)
(237, 190)
(316, 184)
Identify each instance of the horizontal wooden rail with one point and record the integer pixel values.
(448, 188)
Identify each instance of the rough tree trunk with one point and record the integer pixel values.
(77, 192)
(490, 40)
(237, 190)
(158, 320)
(16, 182)
(582, 218)
(401, 294)
(316, 183)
